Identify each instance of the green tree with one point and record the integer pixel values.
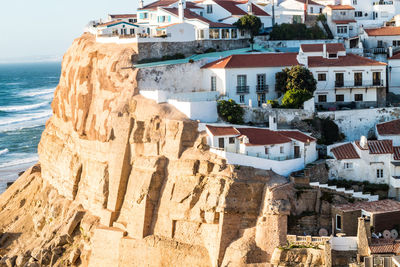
(296, 31)
(296, 77)
(251, 24)
(295, 98)
(230, 111)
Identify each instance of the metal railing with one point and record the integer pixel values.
(380, 3)
(303, 240)
(262, 88)
(359, 84)
(259, 155)
(242, 89)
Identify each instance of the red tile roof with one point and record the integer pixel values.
(169, 25)
(340, 7)
(346, 151)
(191, 15)
(222, 130)
(231, 7)
(342, 61)
(389, 128)
(384, 31)
(396, 152)
(331, 48)
(122, 16)
(384, 246)
(258, 11)
(167, 3)
(310, 2)
(297, 135)
(380, 206)
(255, 61)
(344, 21)
(115, 22)
(395, 56)
(380, 146)
(261, 137)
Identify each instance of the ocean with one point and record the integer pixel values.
(26, 92)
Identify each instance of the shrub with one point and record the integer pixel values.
(321, 17)
(273, 103)
(191, 61)
(230, 111)
(210, 50)
(296, 31)
(295, 98)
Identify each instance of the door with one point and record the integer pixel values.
(261, 83)
(221, 143)
(339, 82)
(357, 78)
(296, 152)
(376, 78)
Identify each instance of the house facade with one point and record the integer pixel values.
(394, 73)
(283, 151)
(375, 161)
(378, 40)
(341, 21)
(117, 27)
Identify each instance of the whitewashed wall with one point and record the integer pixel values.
(394, 76)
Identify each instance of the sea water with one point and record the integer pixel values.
(26, 92)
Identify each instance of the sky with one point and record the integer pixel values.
(44, 29)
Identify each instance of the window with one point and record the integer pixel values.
(376, 78)
(339, 82)
(132, 31)
(201, 13)
(332, 55)
(233, 33)
(221, 142)
(354, 2)
(225, 34)
(358, 97)
(266, 150)
(338, 222)
(281, 149)
(242, 32)
(321, 77)
(201, 34)
(384, 14)
(241, 82)
(213, 83)
(261, 83)
(343, 13)
(357, 78)
(311, 10)
(322, 98)
(214, 33)
(350, 28)
(339, 98)
(231, 140)
(396, 42)
(348, 165)
(379, 173)
(380, 43)
(209, 9)
(130, 20)
(241, 99)
(341, 29)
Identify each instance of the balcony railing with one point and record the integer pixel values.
(379, 3)
(359, 84)
(242, 89)
(262, 88)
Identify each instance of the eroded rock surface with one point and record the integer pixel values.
(124, 181)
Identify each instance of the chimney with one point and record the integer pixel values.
(273, 122)
(141, 3)
(390, 51)
(181, 10)
(249, 7)
(363, 142)
(324, 55)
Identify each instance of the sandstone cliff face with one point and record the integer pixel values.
(127, 182)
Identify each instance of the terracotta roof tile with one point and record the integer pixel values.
(340, 7)
(380, 206)
(122, 16)
(222, 130)
(348, 60)
(396, 152)
(110, 23)
(380, 146)
(231, 7)
(344, 21)
(260, 137)
(191, 15)
(384, 31)
(331, 48)
(161, 3)
(258, 11)
(395, 56)
(346, 151)
(297, 135)
(255, 61)
(384, 246)
(310, 2)
(389, 128)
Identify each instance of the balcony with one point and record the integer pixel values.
(262, 88)
(242, 89)
(359, 84)
(380, 3)
(395, 181)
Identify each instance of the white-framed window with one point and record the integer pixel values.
(396, 42)
(231, 140)
(213, 83)
(354, 2)
(311, 10)
(343, 13)
(341, 29)
(281, 149)
(241, 99)
(321, 77)
(338, 222)
(358, 14)
(379, 173)
(209, 9)
(348, 165)
(266, 150)
(201, 34)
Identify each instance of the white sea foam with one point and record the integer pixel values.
(19, 162)
(4, 151)
(25, 107)
(26, 118)
(38, 92)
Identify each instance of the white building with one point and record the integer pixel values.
(341, 21)
(394, 73)
(380, 39)
(248, 78)
(389, 130)
(116, 27)
(131, 18)
(344, 79)
(281, 151)
(375, 161)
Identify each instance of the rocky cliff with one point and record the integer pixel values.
(123, 181)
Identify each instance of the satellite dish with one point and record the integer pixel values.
(387, 234)
(394, 233)
(323, 232)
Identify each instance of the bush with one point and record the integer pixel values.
(321, 17)
(210, 50)
(297, 31)
(295, 98)
(273, 103)
(230, 111)
(330, 132)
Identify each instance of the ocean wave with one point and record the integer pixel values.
(19, 162)
(26, 118)
(4, 151)
(38, 92)
(22, 108)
